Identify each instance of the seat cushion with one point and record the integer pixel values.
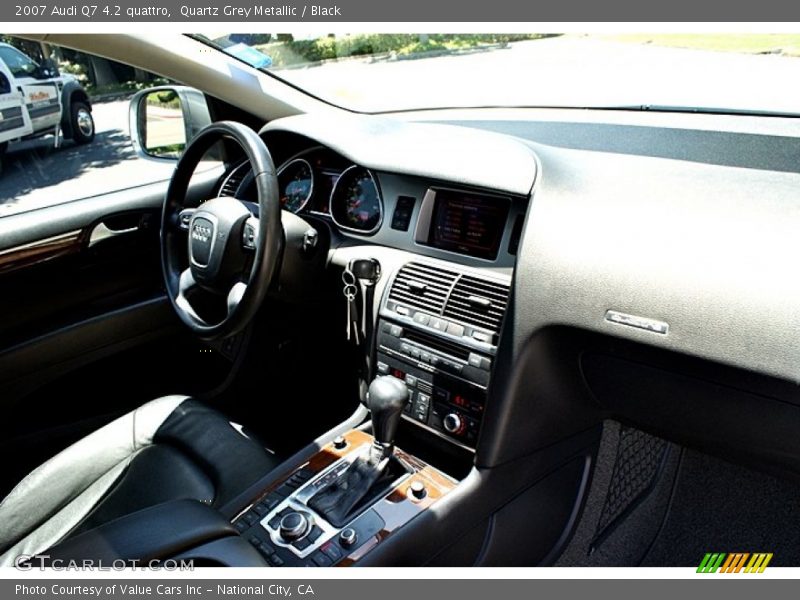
(169, 449)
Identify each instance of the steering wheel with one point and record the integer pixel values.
(220, 256)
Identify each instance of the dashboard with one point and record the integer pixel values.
(429, 216)
(637, 272)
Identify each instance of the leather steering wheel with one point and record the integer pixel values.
(220, 256)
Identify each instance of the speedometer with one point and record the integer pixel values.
(356, 202)
(296, 185)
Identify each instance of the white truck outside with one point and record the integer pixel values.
(36, 100)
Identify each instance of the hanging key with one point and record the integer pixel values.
(350, 290)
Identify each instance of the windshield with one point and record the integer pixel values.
(390, 72)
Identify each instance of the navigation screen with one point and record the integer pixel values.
(468, 224)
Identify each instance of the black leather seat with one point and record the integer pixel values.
(172, 448)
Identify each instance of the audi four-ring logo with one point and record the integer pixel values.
(201, 233)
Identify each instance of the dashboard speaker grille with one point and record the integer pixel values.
(478, 301)
(423, 286)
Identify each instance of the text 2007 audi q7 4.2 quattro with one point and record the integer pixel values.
(440, 311)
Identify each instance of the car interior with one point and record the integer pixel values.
(455, 337)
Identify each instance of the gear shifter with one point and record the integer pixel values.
(365, 477)
(386, 399)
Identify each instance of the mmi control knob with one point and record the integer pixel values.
(293, 526)
(454, 423)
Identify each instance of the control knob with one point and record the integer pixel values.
(293, 526)
(348, 537)
(454, 423)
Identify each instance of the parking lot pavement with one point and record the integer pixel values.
(36, 174)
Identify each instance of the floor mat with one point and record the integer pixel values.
(654, 503)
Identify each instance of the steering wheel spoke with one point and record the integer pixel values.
(186, 286)
(235, 296)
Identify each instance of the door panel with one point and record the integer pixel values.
(86, 332)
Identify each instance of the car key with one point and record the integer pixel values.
(350, 291)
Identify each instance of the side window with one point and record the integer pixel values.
(19, 64)
(5, 84)
(79, 143)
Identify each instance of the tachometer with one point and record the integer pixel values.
(356, 201)
(296, 184)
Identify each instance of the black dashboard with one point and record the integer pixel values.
(427, 216)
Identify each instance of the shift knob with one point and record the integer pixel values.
(386, 398)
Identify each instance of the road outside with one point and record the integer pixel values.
(36, 174)
(570, 71)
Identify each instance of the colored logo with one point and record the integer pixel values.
(737, 562)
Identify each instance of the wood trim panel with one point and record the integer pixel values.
(40, 251)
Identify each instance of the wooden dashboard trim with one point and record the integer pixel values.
(40, 251)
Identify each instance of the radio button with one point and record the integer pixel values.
(439, 324)
(411, 381)
(396, 331)
(402, 310)
(475, 360)
(422, 318)
(455, 329)
(480, 336)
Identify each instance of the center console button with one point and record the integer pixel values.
(321, 559)
(475, 360)
(332, 551)
(441, 394)
(417, 489)
(480, 336)
(438, 324)
(301, 544)
(422, 318)
(455, 329)
(314, 534)
(411, 381)
(348, 537)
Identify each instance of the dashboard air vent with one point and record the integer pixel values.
(479, 302)
(234, 179)
(423, 286)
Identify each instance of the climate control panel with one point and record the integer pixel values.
(447, 393)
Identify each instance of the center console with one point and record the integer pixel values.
(438, 331)
(434, 346)
(269, 524)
